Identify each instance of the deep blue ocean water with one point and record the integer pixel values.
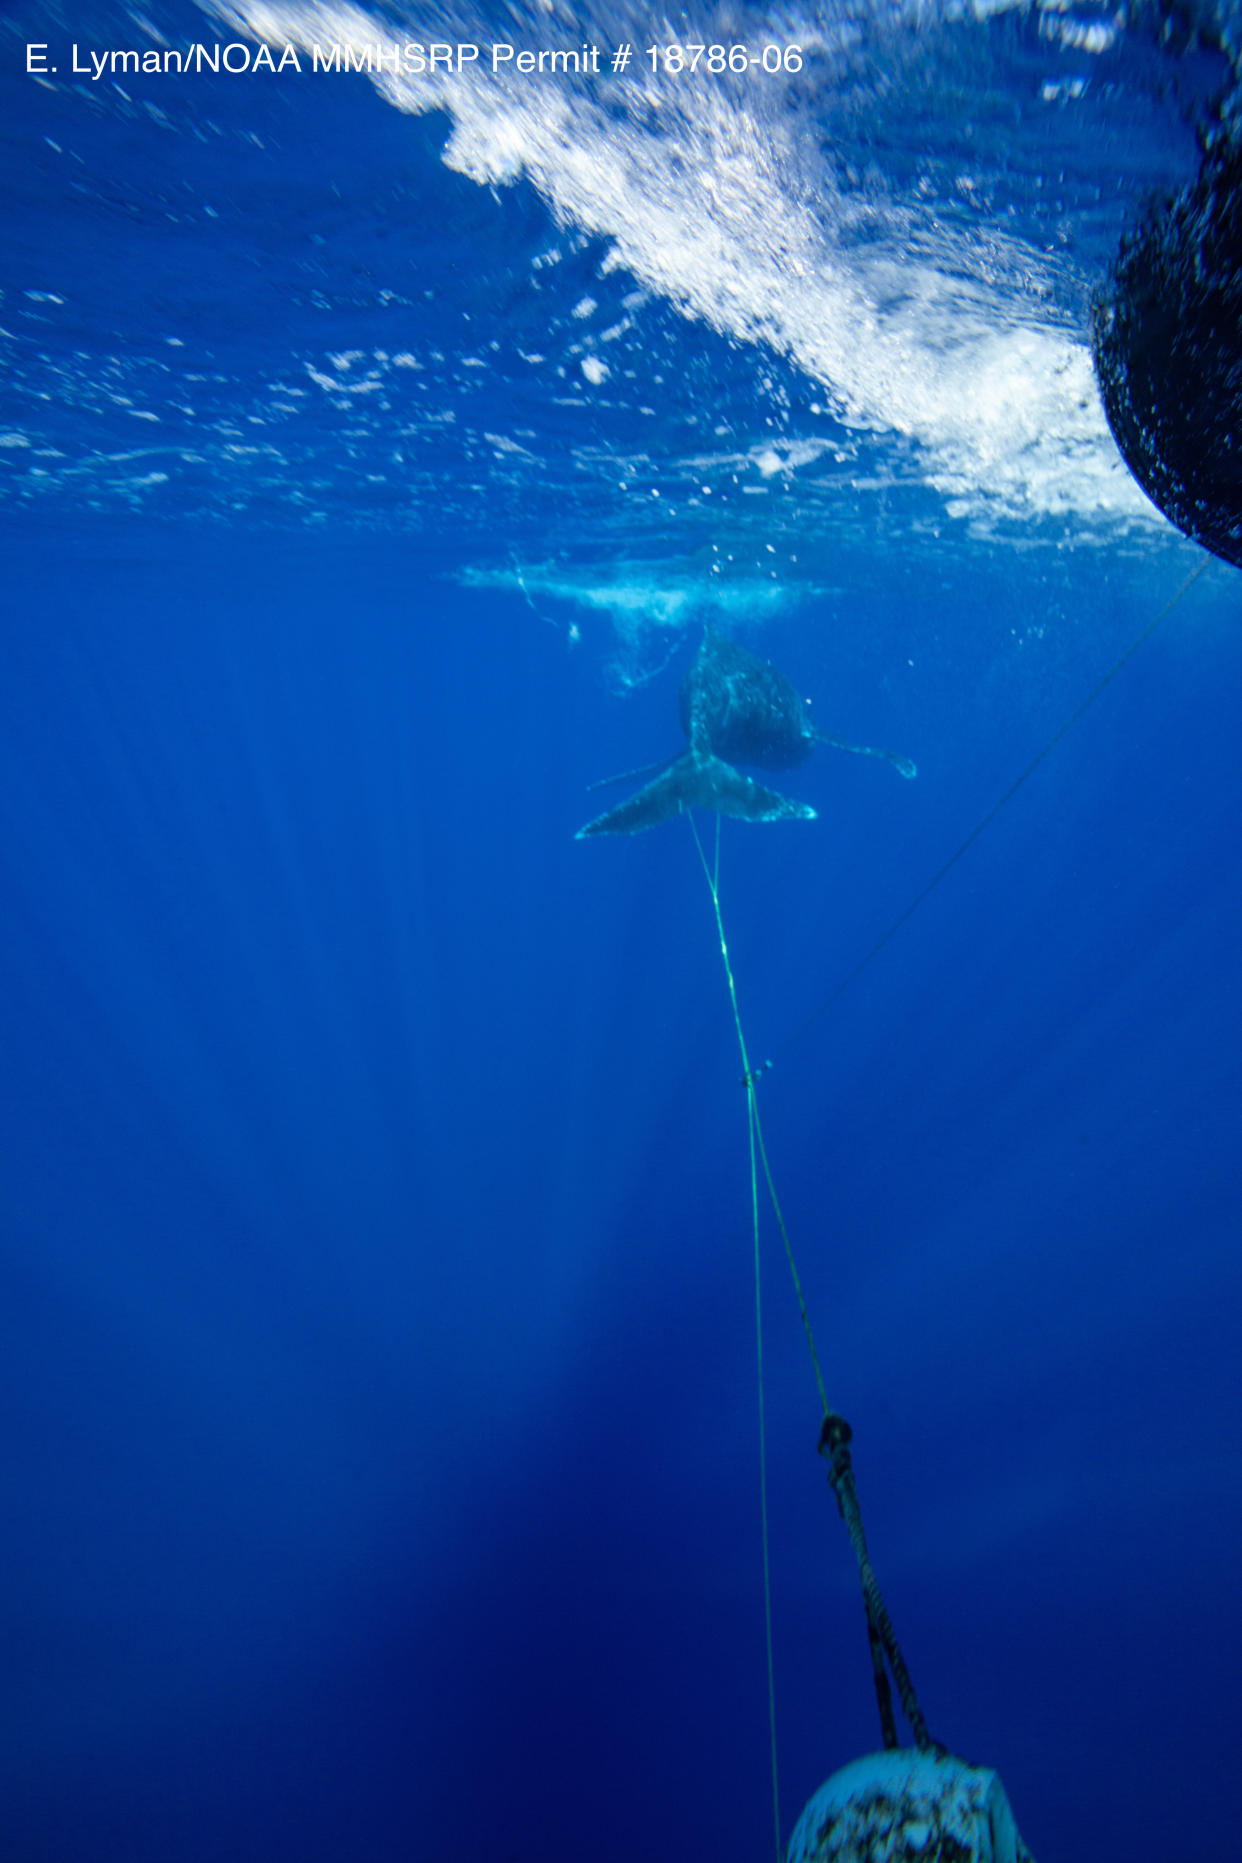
(377, 1335)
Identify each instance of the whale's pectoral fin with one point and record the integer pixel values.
(901, 764)
(697, 782)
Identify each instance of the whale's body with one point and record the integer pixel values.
(742, 708)
(735, 708)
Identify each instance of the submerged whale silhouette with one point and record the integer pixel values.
(735, 707)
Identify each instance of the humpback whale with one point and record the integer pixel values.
(735, 708)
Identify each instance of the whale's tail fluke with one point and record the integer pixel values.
(697, 781)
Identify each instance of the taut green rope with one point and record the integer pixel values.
(752, 1111)
(749, 1078)
(835, 1436)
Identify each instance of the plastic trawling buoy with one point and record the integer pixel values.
(908, 1807)
(1167, 334)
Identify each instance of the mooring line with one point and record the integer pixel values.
(752, 1113)
(887, 936)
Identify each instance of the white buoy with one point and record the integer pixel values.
(904, 1806)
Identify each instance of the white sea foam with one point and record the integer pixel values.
(648, 607)
(731, 218)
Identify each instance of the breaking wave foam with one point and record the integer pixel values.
(729, 211)
(649, 607)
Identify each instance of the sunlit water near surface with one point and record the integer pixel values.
(377, 1341)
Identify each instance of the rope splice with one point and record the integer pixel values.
(834, 1445)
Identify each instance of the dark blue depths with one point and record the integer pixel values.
(377, 1339)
